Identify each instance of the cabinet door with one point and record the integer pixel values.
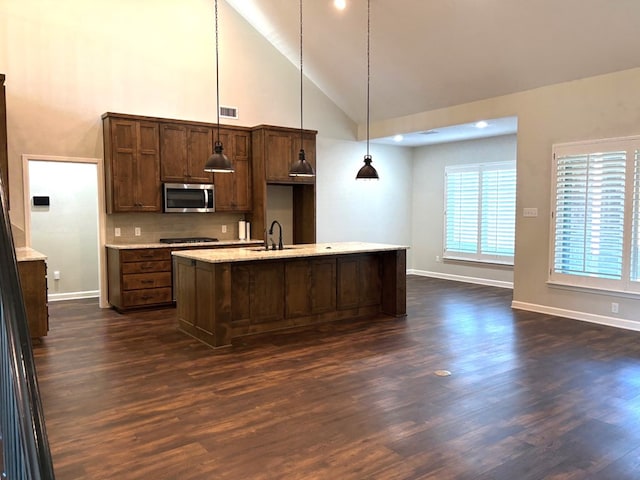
(233, 190)
(147, 173)
(124, 141)
(279, 148)
(199, 149)
(173, 154)
(323, 286)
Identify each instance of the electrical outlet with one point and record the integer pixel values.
(56, 275)
(530, 212)
(224, 229)
(137, 231)
(117, 232)
(614, 307)
(438, 258)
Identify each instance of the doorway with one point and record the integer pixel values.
(63, 199)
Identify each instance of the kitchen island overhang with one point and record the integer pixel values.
(222, 295)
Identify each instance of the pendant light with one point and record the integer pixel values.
(301, 168)
(368, 172)
(218, 162)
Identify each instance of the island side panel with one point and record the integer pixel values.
(394, 282)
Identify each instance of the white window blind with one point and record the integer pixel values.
(596, 215)
(480, 212)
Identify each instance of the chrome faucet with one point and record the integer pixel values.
(273, 244)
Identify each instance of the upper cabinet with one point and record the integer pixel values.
(4, 157)
(278, 147)
(132, 164)
(233, 190)
(184, 150)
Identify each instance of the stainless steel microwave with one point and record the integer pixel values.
(188, 197)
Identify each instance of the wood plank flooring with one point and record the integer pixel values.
(530, 396)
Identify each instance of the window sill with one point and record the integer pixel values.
(594, 290)
(480, 263)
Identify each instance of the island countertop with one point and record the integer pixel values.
(289, 251)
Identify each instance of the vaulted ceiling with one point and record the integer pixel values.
(429, 54)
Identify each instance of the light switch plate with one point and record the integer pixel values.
(137, 231)
(530, 212)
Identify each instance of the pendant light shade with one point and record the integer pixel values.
(218, 162)
(368, 172)
(301, 167)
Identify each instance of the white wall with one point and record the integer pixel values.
(375, 210)
(67, 230)
(428, 206)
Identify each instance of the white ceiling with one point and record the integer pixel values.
(429, 54)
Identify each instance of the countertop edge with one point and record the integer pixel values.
(294, 251)
(28, 254)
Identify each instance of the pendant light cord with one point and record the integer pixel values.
(301, 116)
(368, 65)
(217, 76)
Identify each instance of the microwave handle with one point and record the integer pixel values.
(208, 198)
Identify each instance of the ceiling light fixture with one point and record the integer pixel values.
(368, 172)
(301, 168)
(398, 138)
(340, 4)
(218, 161)
(482, 124)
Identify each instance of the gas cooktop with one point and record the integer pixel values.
(188, 240)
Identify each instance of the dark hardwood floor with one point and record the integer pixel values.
(530, 396)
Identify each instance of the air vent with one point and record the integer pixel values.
(229, 112)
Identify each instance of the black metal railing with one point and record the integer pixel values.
(25, 447)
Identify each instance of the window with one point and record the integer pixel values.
(480, 212)
(596, 214)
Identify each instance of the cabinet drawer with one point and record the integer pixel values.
(145, 267)
(145, 254)
(138, 281)
(149, 296)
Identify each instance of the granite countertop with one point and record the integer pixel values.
(290, 251)
(28, 254)
(220, 243)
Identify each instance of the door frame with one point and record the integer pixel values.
(102, 257)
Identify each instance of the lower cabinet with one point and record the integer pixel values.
(33, 279)
(139, 277)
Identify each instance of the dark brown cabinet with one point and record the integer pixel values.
(310, 287)
(139, 277)
(184, 150)
(4, 157)
(358, 281)
(279, 149)
(273, 149)
(233, 190)
(132, 164)
(33, 280)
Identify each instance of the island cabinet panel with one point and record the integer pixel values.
(310, 287)
(266, 292)
(184, 152)
(358, 281)
(132, 165)
(233, 190)
(186, 290)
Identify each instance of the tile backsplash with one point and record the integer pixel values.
(154, 226)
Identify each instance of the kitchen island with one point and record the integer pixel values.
(224, 294)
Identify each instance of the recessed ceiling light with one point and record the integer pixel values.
(397, 138)
(340, 4)
(482, 124)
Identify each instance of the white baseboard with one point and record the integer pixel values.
(461, 278)
(56, 297)
(583, 316)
